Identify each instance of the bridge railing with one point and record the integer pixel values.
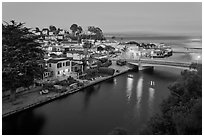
(162, 62)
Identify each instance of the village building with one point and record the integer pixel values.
(64, 67)
(76, 55)
(45, 31)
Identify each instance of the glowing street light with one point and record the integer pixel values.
(198, 58)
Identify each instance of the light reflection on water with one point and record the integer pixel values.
(129, 88)
(139, 93)
(151, 99)
(115, 81)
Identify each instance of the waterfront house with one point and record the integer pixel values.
(60, 66)
(64, 67)
(77, 67)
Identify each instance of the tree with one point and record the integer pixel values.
(74, 28)
(52, 28)
(98, 34)
(87, 45)
(37, 29)
(20, 57)
(78, 33)
(182, 111)
(79, 29)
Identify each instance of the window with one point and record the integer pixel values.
(59, 65)
(50, 65)
(41, 66)
(63, 64)
(67, 63)
(58, 72)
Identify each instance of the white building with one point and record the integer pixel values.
(51, 33)
(62, 32)
(76, 55)
(60, 66)
(61, 37)
(64, 67)
(37, 33)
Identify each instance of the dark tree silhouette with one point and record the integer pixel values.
(87, 45)
(20, 57)
(98, 34)
(74, 28)
(182, 111)
(52, 28)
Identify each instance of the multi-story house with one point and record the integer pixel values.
(60, 66)
(64, 67)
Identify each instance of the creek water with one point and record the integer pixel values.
(127, 101)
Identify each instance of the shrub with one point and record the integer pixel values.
(105, 70)
(107, 64)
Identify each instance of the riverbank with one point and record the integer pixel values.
(34, 99)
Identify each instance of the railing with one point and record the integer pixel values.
(161, 62)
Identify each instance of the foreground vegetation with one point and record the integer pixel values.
(181, 113)
(21, 55)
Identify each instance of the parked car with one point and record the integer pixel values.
(121, 62)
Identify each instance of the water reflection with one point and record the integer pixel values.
(110, 81)
(26, 124)
(129, 88)
(90, 91)
(139, 92)
(151, 99)
(115, 81)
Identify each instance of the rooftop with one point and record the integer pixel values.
(56, 60)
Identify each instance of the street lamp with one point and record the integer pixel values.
(198, 58)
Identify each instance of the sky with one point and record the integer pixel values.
(112, 17)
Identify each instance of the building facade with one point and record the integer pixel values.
(64, 67)
(60, 66)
